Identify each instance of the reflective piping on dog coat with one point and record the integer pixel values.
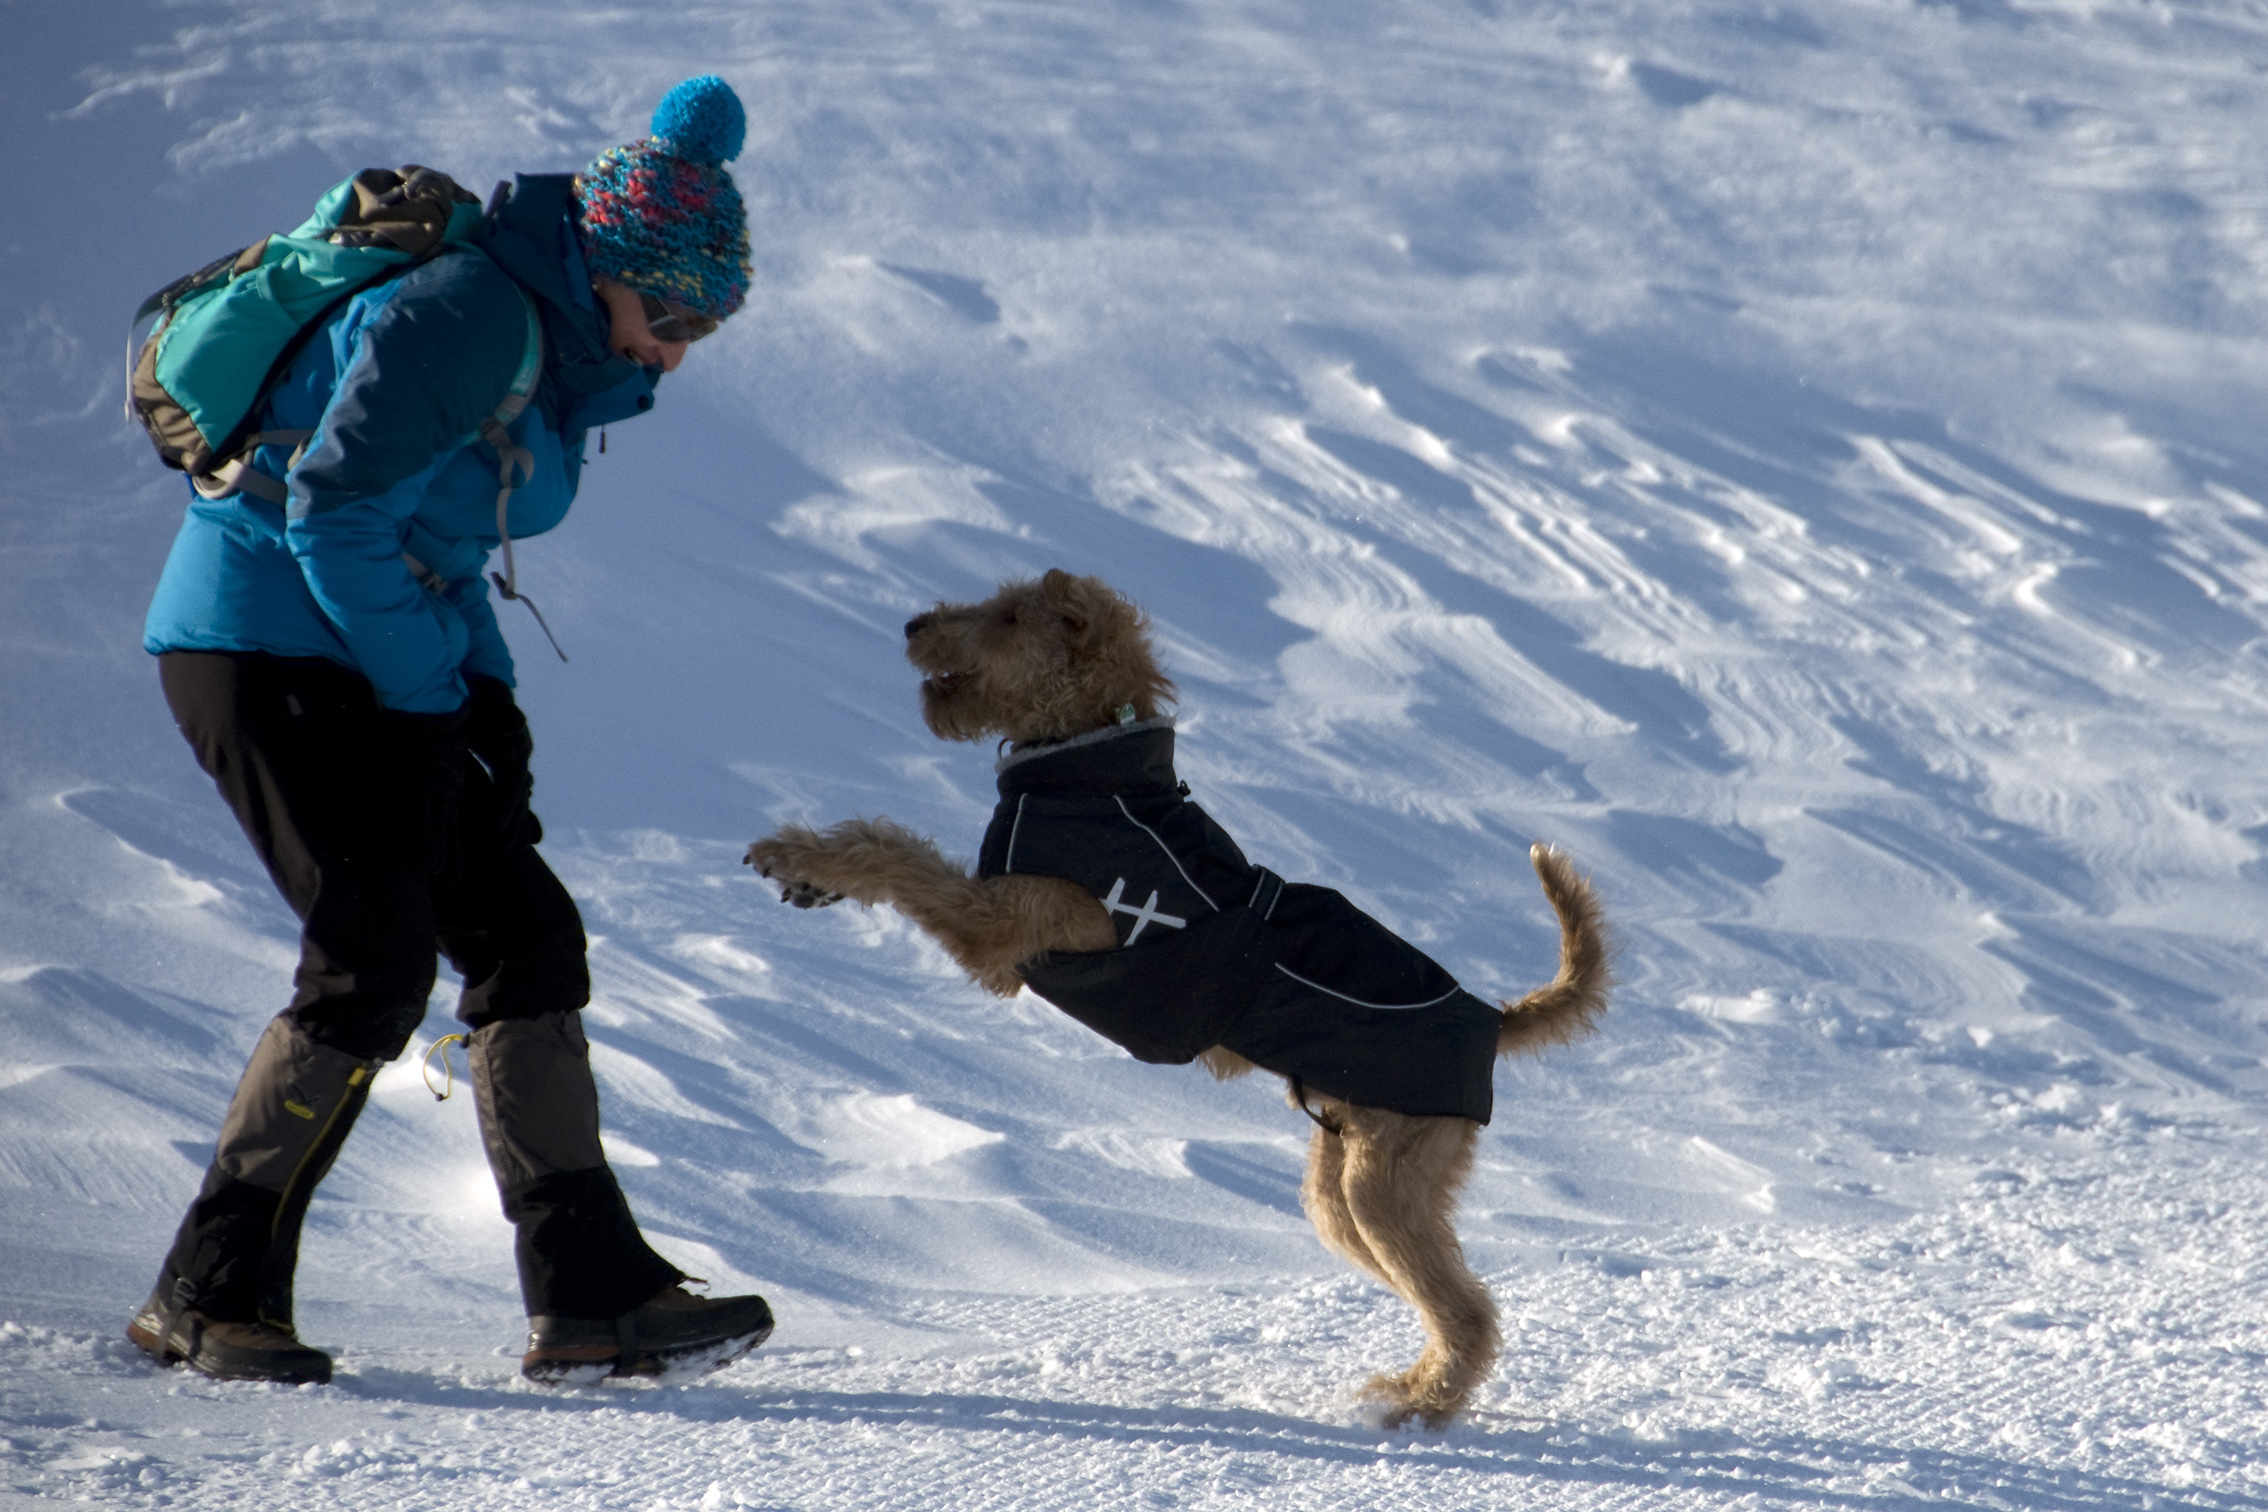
(1216, 951)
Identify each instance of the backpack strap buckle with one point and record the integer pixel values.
(238, 475)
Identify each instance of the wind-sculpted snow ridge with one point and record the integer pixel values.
(1805, 460)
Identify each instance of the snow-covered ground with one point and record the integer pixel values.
(1807, 459)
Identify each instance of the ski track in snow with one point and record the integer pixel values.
(1805, 459)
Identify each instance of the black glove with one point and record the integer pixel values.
(497, 732)
(426, 762)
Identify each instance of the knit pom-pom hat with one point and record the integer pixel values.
(662, 216)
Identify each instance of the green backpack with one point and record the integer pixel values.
(227, 333)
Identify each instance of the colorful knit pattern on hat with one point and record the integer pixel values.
(662, 216)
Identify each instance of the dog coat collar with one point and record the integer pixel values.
(1031, 748)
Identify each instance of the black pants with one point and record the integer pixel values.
(296, 747)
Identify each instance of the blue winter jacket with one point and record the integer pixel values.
(395, 389)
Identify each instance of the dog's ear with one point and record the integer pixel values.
(1074, 598)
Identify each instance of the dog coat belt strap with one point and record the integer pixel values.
(1330, 1126)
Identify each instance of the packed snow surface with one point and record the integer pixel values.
(1806, 459)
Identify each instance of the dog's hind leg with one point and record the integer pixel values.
(1400, 1177)
(1324, 1195)
(988, 925)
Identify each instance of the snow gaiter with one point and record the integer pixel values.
(579, 1250)
(238, 1246)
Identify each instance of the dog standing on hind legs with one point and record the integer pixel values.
(1108, 893)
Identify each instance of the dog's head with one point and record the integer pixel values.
(1039, 660)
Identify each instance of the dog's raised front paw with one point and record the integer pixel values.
(774, 858)
(807, 895)
(775, 855)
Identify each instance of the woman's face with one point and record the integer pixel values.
(629, 335)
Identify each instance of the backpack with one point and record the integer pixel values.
(226, 334)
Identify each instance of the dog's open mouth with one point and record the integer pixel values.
(944, 684)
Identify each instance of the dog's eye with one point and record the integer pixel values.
(1008, 617)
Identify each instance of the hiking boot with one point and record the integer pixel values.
(223, 1350)
(674, 1333)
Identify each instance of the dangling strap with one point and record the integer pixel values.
(1329, 1126)
(504, 587)
(448, 1073)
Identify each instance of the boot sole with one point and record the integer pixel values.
(167, 1357)
(148, 1343)
(681, 1363)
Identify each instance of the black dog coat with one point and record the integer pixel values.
(1217, 951)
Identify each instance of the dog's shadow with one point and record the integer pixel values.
(1533, 1454)
(1788, 1469)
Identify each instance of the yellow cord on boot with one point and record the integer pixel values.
(448, 1074)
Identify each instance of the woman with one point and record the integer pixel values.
(327, 645)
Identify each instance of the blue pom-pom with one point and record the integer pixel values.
(703, 120)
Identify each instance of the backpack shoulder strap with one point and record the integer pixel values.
(515, 464)
(522, 389)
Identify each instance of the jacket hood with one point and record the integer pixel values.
(531, 237)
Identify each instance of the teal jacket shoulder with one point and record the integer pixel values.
(395, 390)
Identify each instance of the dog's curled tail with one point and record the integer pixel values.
(1568, 1006)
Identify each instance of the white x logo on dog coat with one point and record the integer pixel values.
(1144, 916)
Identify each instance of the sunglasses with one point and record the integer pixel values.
(669, 322)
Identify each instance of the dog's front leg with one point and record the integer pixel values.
(866, 860)
(988, 925)
(993, 925)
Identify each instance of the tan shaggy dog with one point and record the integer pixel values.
(1043, 662)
